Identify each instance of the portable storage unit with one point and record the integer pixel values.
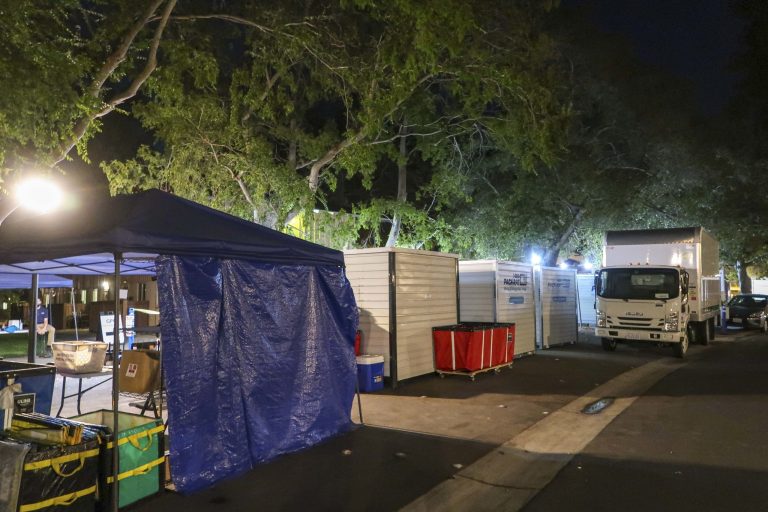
(402, 294)
(559, 322)
(500, 291)
(36, 383)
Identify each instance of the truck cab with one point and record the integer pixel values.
(644, 303)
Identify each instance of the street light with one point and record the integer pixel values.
(42, 196)
(37, 194)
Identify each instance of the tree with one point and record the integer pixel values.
(265, 134)
(65, 66)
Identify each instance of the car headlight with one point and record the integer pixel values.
(601, 319)
(756, 315)
(671, 322)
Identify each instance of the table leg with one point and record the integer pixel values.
(63, 391)
(79, 395)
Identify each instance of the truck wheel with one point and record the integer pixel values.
(692, 332)
(711, 329)
(609, 344)
(704, 332)
(682, 347)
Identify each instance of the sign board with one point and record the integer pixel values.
(24, 402)
(107, 321)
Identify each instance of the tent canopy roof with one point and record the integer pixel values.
(82, 239)
(24, 281)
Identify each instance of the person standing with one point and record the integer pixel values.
(43, 328)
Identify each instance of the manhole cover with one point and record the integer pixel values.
(597, 406)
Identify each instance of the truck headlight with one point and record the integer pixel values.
(671, 323)
(601, 319)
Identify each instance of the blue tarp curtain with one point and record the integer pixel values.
(258, 360)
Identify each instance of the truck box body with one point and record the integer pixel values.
(693, 249)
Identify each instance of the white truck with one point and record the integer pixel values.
(658, 285)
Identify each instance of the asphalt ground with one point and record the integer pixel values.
(430, 431)
(420, 434)
(694, 442)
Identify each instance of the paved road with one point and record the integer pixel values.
(696, 441)
(682, 435)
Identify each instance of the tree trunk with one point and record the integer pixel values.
(550, 257)
(745, 282)
(402, 191)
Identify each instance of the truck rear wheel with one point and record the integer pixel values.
(609, 344)
(704, 332)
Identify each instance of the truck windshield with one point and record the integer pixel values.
(638, 283)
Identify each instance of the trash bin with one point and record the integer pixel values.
(370, 372)
(36, 386)
(141, 455)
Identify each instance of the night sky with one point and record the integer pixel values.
(694, 40)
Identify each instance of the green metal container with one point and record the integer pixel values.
(141, 455)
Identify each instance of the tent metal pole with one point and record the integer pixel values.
(32, 339)
(116, 388)
(359, 404)
(74, 313)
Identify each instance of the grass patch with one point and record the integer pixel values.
(14, 344)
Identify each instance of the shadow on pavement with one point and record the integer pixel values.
(385, 470)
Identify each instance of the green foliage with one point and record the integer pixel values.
(240, 124)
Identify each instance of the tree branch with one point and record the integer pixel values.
(110, 66)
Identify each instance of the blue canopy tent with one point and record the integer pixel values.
(24, 281)
(258, 327)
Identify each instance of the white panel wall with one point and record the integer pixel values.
(760, 286)
(477, 280)
(500, 291)
(515, 303)
(425, 285)
(368, 273)
(558, 306)
(585, 284)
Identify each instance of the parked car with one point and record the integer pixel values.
(749, 310)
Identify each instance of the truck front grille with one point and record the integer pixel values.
(631, 322)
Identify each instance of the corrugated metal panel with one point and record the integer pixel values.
(476, 282)
(368, 273)
(585, 284)
(558, 306)
(425, 284)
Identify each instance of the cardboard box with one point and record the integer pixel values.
(139, 371)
